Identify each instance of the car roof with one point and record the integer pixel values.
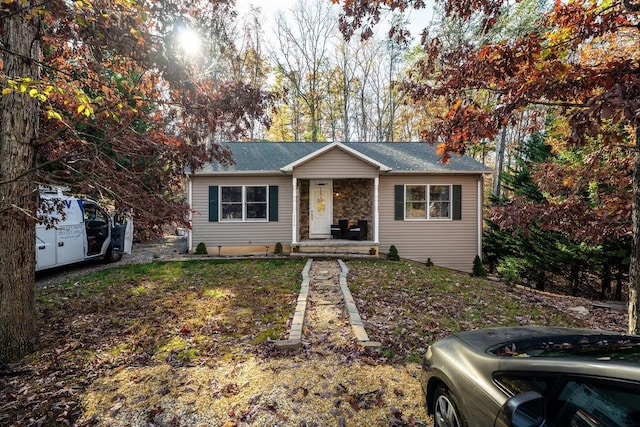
(606, 354)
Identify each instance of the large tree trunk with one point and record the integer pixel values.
(18, 191)
(634, 268)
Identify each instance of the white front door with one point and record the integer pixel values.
(320, 209)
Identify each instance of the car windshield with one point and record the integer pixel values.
(597, 347)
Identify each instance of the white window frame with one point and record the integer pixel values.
(428, 202)
(244, 204)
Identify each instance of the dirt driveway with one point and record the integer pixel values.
(170, 247)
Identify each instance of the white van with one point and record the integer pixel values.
(85, 232)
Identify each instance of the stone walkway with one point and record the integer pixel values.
(325, 309)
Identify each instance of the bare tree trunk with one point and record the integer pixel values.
(18, 129)
(364, 129)
(346, 100)
(497, 176)
(295, 110)
(313, 110)
(634, 268)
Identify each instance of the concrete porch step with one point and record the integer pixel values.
(336, 247)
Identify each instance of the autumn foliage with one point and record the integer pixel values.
(579, 62)
(99, 97)
(585, 198)
(124, 111)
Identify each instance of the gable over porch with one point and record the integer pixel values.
(331, 186)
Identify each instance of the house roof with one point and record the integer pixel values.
(389, 157)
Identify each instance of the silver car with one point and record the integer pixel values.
(533, 376)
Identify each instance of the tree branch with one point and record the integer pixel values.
(557, 104)
(631, 6)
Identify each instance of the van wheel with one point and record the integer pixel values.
(112, 256)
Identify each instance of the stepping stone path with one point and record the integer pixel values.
(326, 317)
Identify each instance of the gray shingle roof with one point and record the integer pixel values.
(399, 156)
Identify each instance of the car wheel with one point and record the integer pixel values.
(445, 411)
(112, 256)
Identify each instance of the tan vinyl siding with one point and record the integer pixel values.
(336, 164)
(248, 233)
(449, 243)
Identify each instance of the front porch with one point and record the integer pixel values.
(320, 205)
(335, 248)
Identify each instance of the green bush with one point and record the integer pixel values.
(512, 269)
(201, 249)
(278, 249)
(478, 268)
(393, 254)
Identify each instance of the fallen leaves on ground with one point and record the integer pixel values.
(191, 343)
(407, 306)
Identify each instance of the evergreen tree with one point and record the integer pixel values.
(478, 268)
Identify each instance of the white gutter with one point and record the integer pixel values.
(480, 195)
(376, 208)
(277, 172)
(294, 213)
(190, 199)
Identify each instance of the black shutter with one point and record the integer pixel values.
(457, 202)
(273, 203)
(213, 203)
(398, 199)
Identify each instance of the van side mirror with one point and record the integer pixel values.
(522, 410)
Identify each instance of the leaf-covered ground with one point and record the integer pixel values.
(406, 306)
(177, 340)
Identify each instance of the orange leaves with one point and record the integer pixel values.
(578, 58)
(586, 186)
(454, 109)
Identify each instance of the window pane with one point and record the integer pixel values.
(90, 212)
(416, 210)
(257, 210)
(231, 211)
(256, 194)
(439, 193)
(439, 196)
(439, 210)
(416, 193)
(232, 194)
(416, 201)
(586, 403)
(517, 383)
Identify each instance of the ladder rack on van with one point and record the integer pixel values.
(56, 190)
